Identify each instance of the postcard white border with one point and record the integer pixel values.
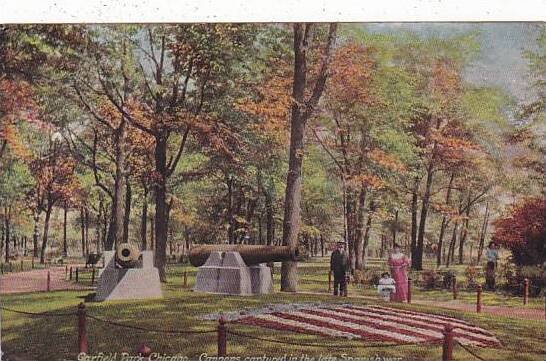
(161, 11)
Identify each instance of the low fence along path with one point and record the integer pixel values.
(36, 280)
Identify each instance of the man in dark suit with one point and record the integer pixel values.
(339, 264)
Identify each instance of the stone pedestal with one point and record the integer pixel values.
(128, 283)
(261, 280)
(227, 273)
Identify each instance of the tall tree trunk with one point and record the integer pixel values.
(451, 250)
(127, 215)
(359, 246)
(414, 205)
(115, 232)
(65, 246)
(260, 230)
(270, 220)
(3, 147)
(368, 231)
(351, 227)
(230, 214)
(417, 261)
(291, 222)
(301, 111)
(99, 225)
(321, 245)
(98, 232)
(35, 234)
(144, 219)
(251, 207)
(444, 223)
(464, 230)
(382, 249)
(483, 233)
(152, 231)
(7, 232)
(161, 212)
(395, 227)
(187, 240)
(86, 214)
(45, 234)
(82, 229)
(462, 240)
(106, 227)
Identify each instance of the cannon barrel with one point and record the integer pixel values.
(127, 255)
(251, 254)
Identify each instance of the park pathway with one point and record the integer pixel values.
(505, 311)
(513, 312)
(36, 281)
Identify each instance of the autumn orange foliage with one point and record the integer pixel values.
(351, 75)
(271, 104)
(16, 104)
(55, 179)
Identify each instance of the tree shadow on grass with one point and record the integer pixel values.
(55, 338)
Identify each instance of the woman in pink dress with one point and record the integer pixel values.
(399, 263)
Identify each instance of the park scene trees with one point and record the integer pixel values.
(168, 137)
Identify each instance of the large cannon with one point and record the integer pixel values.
(252, 255)
(237, 269)
(127, 255)
(128, 273)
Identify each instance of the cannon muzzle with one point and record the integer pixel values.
(251, 254)
(127, 255)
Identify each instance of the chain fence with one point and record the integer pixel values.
(447, 342)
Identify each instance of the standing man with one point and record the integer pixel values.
(339, 263)
(492, 255)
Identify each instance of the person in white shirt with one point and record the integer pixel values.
(492, 255)
(386, 286)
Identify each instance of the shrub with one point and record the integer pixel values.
(374, 278)
(430, 279)
(507, 271)
(368, 276)
(471, 274)
(448, 278)
(535, 274)
(359, 277)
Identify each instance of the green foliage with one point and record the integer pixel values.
(15, 181)
(233, 169)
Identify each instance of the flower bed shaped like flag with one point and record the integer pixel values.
(372, 323)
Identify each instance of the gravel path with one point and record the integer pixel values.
(512, 312)
(36, 280)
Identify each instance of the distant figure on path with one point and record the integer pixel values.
(339, 263)
(492, 255)
(398, 263)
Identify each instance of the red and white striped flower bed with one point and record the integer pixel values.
(371, 323)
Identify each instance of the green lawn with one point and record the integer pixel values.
(54, 338)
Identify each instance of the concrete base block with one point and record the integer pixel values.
(226, 273)
(260, 277)
(128, 283)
